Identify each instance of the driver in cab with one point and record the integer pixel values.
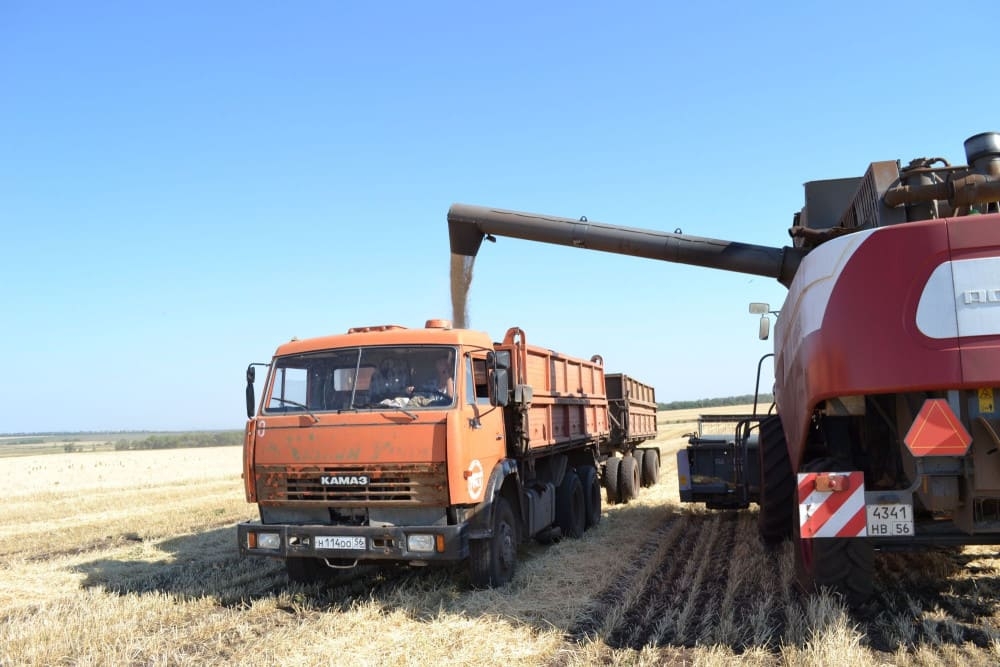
(443, 381)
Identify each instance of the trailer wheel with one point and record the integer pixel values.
(307, 570)
(571, 514)
(842, 564)
(639, 455)
(611, 467)
(592, 495)
(492, 561)
(628, 478)
(777, 483)
(650, 467)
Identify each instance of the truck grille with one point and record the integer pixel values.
(353, 486)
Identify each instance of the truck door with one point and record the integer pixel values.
(480, 433)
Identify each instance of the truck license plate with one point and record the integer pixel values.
(890, 520)
(337, 542)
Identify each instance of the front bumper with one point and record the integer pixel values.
(451, 543)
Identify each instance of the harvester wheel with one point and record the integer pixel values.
(492, 561)
(611, 467)
(777, 483)
(843, 564)
(650, 467)
(628, 478)
(571, 514)
(307, 570)
(591, 494)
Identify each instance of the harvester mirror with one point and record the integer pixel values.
(764, 330)
(757, 308)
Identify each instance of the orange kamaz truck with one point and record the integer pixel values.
(435, 445)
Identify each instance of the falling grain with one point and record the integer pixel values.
(461, 280)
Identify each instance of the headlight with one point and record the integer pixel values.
(268, 541)
(420, 542)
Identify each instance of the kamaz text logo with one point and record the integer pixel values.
(344, 480)
(989, 296)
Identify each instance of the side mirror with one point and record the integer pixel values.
(498, 359)
(764, 330)
(251, 374)
(499, 386)
(758, 308)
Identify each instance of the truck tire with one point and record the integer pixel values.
(650, 467)
(844, 565)
(611, 467)
(307, 570)
(777, 483)
(571, 511)
(492, 561)
(628, 478)
(591, 495)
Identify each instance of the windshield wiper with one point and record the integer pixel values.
(383, 406)
(298, 405)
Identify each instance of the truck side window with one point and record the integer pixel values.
(475, 380)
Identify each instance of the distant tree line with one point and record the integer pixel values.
(183, 440)
(25, 441)
(762, 399)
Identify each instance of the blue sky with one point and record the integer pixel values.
(184, 186)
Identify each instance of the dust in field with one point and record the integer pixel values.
(149, 573)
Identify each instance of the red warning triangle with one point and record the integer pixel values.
(936, 431)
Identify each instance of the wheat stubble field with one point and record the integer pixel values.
(112, 558)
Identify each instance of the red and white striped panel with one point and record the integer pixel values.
(832, 513)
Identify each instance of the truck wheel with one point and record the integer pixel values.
(492, 561)
(307, 570)
(843, 564)
(628, 478)
(650, 467)
(571, 513)
(640, 455)
(611, 467)
(777, 483)
(591, 494)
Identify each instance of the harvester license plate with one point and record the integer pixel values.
(335, 542)
(890, 520)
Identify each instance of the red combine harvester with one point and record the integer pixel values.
(887, 361)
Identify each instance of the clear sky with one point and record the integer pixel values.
(185, 185)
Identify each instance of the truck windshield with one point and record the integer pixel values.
(362, 378)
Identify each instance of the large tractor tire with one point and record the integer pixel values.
(650, 467)
(628, 478)
(571, 513)
(843, 565)
(611, 467)
(492, 561)
(591, 495)
(777, 483)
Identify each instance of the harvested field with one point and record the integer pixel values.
(130, 558)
